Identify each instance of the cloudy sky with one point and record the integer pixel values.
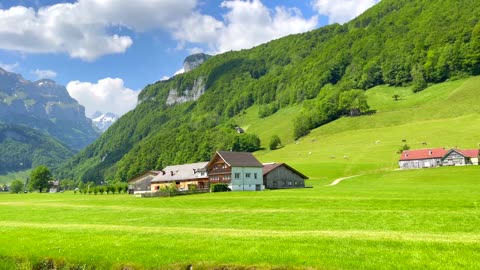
(105, 51)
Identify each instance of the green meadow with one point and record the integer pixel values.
(381, 219)
(421, 219)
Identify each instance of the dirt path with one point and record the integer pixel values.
(334, 183)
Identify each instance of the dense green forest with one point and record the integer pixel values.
(397, 42)
(24, 148)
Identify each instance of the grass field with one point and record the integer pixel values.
(422, 219)
(381, 219)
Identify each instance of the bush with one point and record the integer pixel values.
(275, 142)
(16, 186)
(220, 187)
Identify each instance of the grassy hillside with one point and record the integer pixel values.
(397, 42)
(443, 115)
(419, 219)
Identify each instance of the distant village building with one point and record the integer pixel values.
(240, 170)
(182, 176)
(427, 158)
(54, 186)
(142, 182)
(281, 175)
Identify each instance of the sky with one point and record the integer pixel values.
(106, 51)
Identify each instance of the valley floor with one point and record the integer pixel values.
(420, 219)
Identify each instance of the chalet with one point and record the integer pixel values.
(182, 176)
(142, 182)
(426, 158)
(459, 157)
(422, 158)
(280, 175)
(240, 170)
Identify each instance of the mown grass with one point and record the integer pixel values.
(424, 219)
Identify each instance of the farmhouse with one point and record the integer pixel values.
(281, 175)
(427, 158)
(422, 158)
(240, 170)
(142, 182)
(458, 157)
(183, 176)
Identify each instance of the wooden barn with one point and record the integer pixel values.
(281, 175)
(422, 158)
(142, 182)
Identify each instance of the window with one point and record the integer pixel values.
(255, 175)
(237, 175)
(248, 175)
(289, 183)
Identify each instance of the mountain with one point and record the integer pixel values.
(24, 148)
(317, 77)
(46, 106)
(195, 60)
(103, 121)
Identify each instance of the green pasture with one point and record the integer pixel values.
(421, 219)
(444, 115)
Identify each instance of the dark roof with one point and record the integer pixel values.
(239, 159)
(268, 167)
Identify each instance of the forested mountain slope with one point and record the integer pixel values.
(23, 148)
(185, 119)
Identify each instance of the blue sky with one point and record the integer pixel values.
(105, 51)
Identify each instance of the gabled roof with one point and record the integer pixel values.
(423, 154)
(470, 153)
(154, 173)
(180, 172)
(238, 159)
(268, 167)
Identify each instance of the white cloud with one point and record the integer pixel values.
(9, 67)
(81, 29)
(107, 95)
(246, 24)
(44, 74)
(342, 11)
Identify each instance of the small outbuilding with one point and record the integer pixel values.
(459, 157)
(281, 175)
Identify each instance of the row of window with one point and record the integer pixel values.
(287, 183)
(247, 175)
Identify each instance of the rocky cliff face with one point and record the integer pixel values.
(176, 96)
(194, 61)
(47, 106)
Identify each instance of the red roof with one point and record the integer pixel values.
(423, 154)
(471, 153)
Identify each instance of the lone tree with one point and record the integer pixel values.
(396, 97)
(40, 177)
(275, 142)
(16, 186)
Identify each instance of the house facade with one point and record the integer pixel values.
(458, 157)
(141, 183)
(427, 158)
(240, 170)
(182, 176)
(281, 175)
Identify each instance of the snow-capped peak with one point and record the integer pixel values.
(104, 120)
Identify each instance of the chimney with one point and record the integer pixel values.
(430, 152)
(171, 173)
(163, 172)
(406, 155)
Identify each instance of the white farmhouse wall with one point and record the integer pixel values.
(245, 183)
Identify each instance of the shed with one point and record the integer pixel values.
(142, 182)
(281, 175)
